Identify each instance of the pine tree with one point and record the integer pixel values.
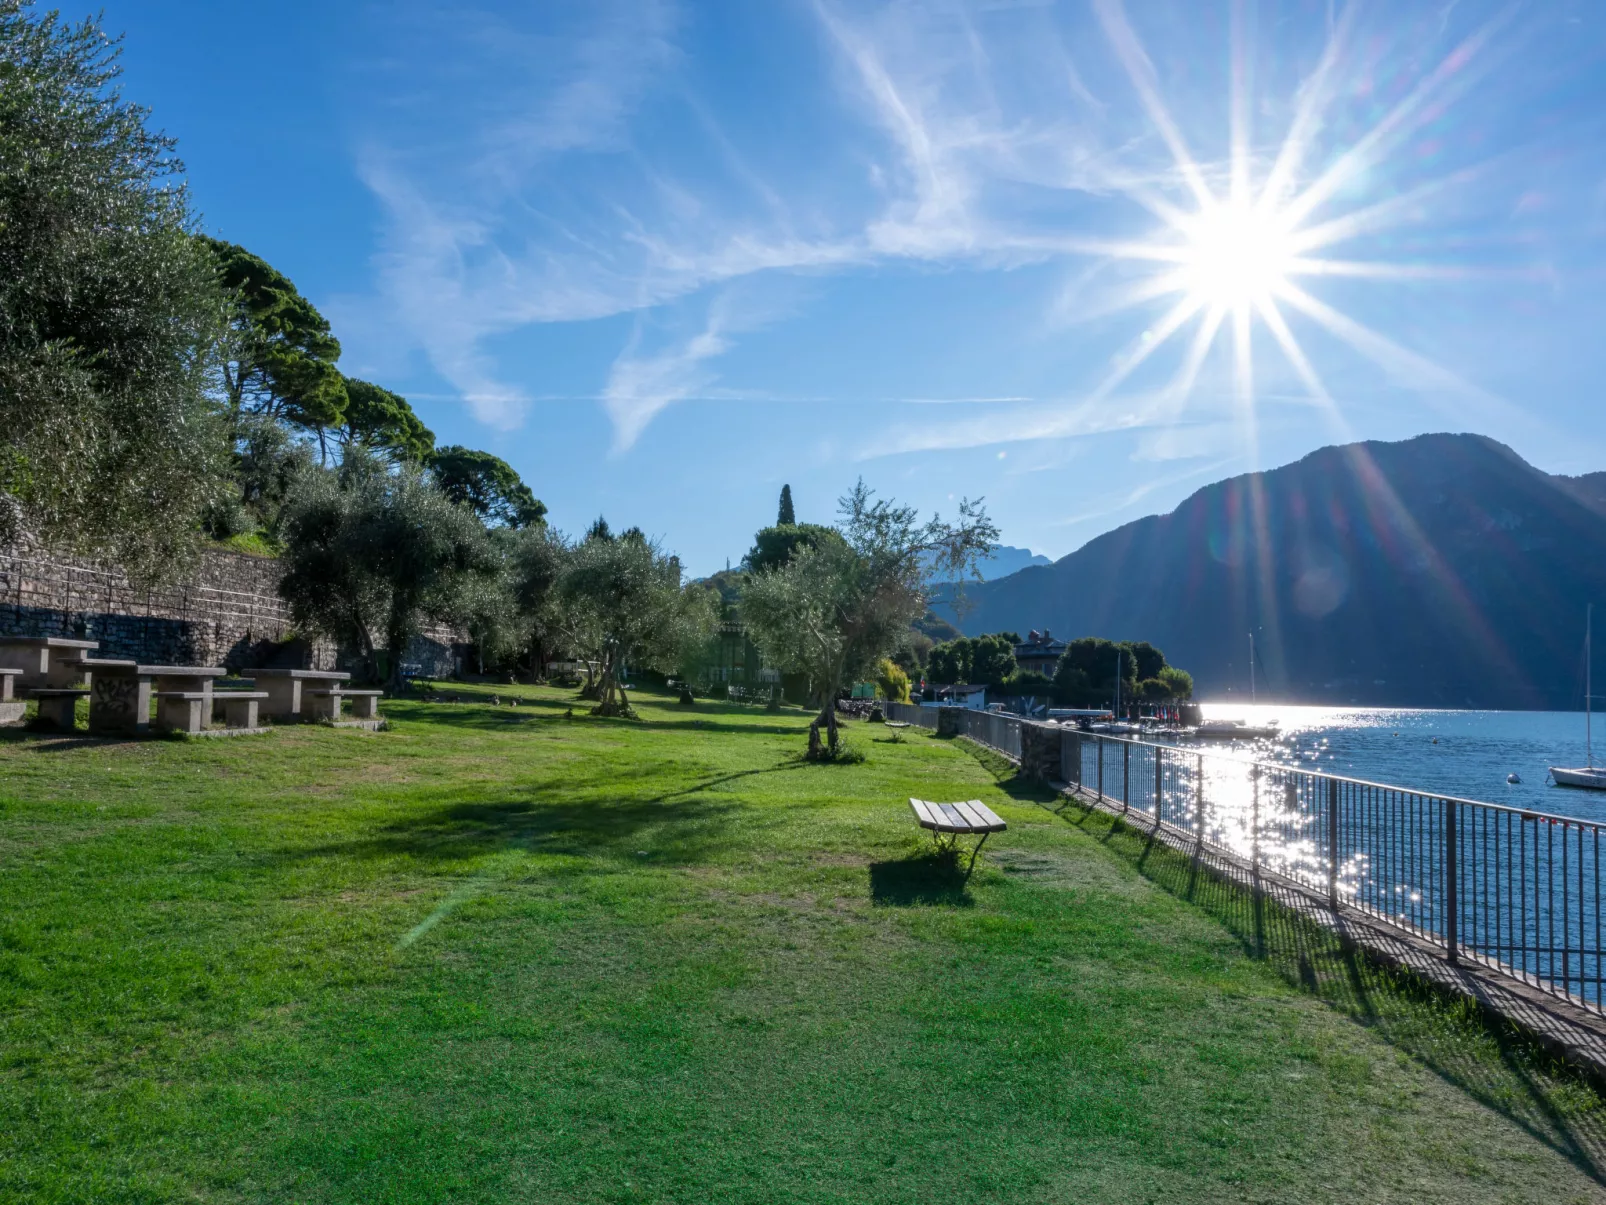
(787, 516)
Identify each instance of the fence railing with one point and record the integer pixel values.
(1515, 890)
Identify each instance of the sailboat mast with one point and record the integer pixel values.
(1251, 668)
(1589, 736)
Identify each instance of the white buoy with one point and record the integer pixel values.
(1513, 778)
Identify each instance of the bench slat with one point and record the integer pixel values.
(972, 817)
(922, 811)
(968, 817)
(991, 818)
(983, 817)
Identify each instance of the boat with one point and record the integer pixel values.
(1234, 730)
(1589, 776)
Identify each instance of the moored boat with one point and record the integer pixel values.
(1588, 776)
(1591, 778)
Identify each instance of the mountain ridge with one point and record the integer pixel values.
(1436, 571)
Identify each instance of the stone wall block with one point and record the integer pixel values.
(1040, 751)
(228, 613)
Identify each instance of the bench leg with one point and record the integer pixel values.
(240, 713)
(119, 703)
(328, 708)
(284, 698)
(59, 713)
(181, 715)
(366, 707)
(973, 854)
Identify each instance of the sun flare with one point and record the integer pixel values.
(1233, 260)
(1235, 257)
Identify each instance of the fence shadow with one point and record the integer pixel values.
(1482, 1054)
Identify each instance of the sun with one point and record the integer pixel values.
(1235, 257)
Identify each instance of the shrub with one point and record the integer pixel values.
(892, 681)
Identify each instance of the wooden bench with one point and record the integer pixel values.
(326, 704)
(57, 705)
(190, 710)
(969, 818)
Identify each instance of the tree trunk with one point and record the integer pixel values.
(827, 716)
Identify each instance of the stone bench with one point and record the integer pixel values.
(239, 707)
(189, 710)
(57, 705)
(326, 704)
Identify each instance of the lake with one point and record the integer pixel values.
(1475, 750)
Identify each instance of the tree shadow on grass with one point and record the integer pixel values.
(933, 877)
(643, 830)
(54, 740)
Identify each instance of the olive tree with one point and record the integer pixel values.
(112, 320)
(372, 555)
(835, 608)
(627, 594)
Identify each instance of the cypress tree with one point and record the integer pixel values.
(787, 516)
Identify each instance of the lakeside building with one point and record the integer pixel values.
(966, 695)
(1040, 653)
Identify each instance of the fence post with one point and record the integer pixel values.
(1254, 826)
(1451, 936)
(1101, 767)
(1198, 806)
(1159, 782)
(1126, 774)
(1332, 843)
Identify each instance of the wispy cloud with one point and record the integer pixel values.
(640, 386)
(585, 174)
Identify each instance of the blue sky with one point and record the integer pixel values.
(665, 257)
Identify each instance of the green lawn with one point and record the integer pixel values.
(500, 954)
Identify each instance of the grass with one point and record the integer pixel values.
(252, 543)
(504, 954)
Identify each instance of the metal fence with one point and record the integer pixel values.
(909, 713)
(1515, 890)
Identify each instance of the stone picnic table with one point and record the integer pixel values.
(44, 668)
(44, 661)
(121, 694)
(300, 694)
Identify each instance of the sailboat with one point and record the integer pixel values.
(1588, 776)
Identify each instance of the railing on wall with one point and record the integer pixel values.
(1517, 891)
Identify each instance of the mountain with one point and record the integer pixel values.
(1006, 560)
(1439, 571)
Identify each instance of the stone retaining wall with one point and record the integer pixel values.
(228, 612)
